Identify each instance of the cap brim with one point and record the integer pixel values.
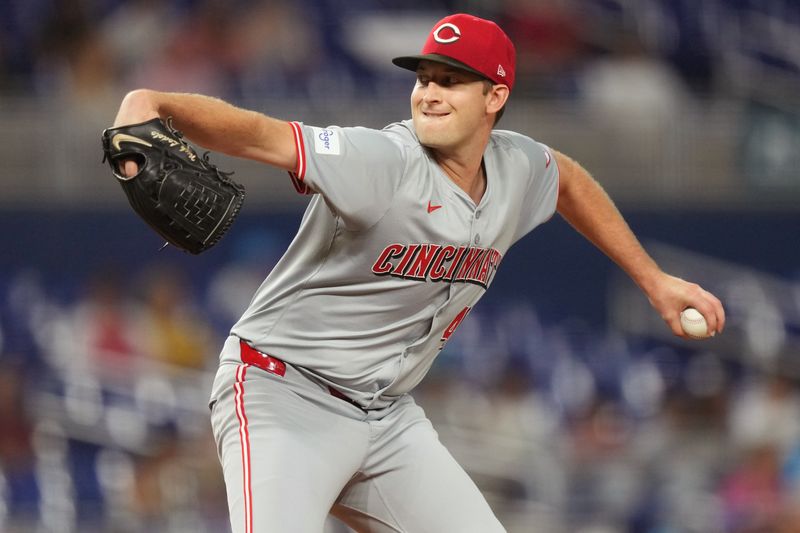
(412, 62)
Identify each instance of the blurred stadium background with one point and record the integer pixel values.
(564, 397)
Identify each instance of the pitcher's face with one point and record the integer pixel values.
(448, 105)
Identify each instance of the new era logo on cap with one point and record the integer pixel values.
(470, 43)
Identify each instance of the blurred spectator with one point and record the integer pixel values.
(157, 481)
(23, 306)
(276, 50)
(751, 493)
(602, 481)
(89, 72)
(546, 35)
(17, 460)
(520, 413)
(766, 412)
(136, 31)
(62, 26)
(104, 324)
(680, 453)
(197, 56)
(631, 92)
(170, 328)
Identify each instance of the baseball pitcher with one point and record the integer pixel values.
(405, 230)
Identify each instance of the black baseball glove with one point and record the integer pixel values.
(185, 198)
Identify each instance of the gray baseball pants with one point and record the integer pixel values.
(292, 453)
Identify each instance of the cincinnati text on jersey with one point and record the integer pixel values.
(436, 262)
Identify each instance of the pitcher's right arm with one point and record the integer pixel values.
(215, 124)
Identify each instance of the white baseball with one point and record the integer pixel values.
(693, 323)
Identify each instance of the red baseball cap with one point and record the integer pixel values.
(470, 43)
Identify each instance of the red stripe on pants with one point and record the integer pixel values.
(244, 438)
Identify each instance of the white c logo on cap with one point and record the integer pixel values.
(456, 33)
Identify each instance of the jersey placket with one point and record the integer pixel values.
(454, 308)
(464, 202)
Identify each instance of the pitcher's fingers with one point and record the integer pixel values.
(130, 168)
(719, 311)
(711, 309)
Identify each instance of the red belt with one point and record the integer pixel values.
(274, 365)
(263, 361)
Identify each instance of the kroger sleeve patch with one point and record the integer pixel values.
(356, 170)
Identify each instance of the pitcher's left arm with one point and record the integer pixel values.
(585, 205)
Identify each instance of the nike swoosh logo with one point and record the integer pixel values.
(125, 138)
(432, 208)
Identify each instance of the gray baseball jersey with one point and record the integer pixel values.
(391, 254)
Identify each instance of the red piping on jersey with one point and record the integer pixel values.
(299, 173)
(244, 438)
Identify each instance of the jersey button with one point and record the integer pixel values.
(477, 238)
(477, 215)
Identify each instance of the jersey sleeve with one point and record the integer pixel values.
(541, 197)
(356, 170)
